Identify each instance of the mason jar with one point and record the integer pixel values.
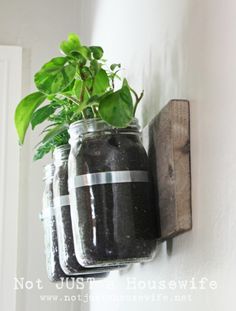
(113, 218)
(67, 258)
(53, 267)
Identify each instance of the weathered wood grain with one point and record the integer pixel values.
(167, 141)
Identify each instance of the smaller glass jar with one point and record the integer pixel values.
(67, 257)
(113, 217)
(54, 270)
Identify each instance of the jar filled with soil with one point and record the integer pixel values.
(113, 217)
(67, 257)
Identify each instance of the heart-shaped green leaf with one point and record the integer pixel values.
(117, 108)
(55, 76)
(24, 112)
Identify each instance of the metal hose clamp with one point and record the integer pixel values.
(111, 177)
(62, 200)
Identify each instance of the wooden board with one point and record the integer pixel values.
(167, 141)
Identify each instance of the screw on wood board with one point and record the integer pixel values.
(167, 141)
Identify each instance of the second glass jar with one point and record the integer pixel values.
(67, 257)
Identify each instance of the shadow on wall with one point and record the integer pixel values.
(169, 64)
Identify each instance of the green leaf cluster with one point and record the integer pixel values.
(77, 85)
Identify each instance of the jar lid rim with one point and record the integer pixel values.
(97, 124)
(48, 166)
(62, 147)
(61, 153)
(90, 120)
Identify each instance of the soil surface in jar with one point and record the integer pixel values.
(68, 260)
(118, 220)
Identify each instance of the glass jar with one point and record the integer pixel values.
(113, 218)
(67, 256)
(54, 270)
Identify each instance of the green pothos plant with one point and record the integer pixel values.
(75, 86)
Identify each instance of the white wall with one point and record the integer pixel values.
(182, 49)
(38, 27)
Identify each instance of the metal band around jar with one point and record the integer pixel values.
(112, 177)
(62, 200)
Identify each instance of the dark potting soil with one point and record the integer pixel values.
(67, 256)
(118, 220)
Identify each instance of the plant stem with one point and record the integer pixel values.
(137, 98)
(94, 112)
(72, 99)
(77, 103)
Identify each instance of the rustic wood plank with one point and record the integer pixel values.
(167, 141)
